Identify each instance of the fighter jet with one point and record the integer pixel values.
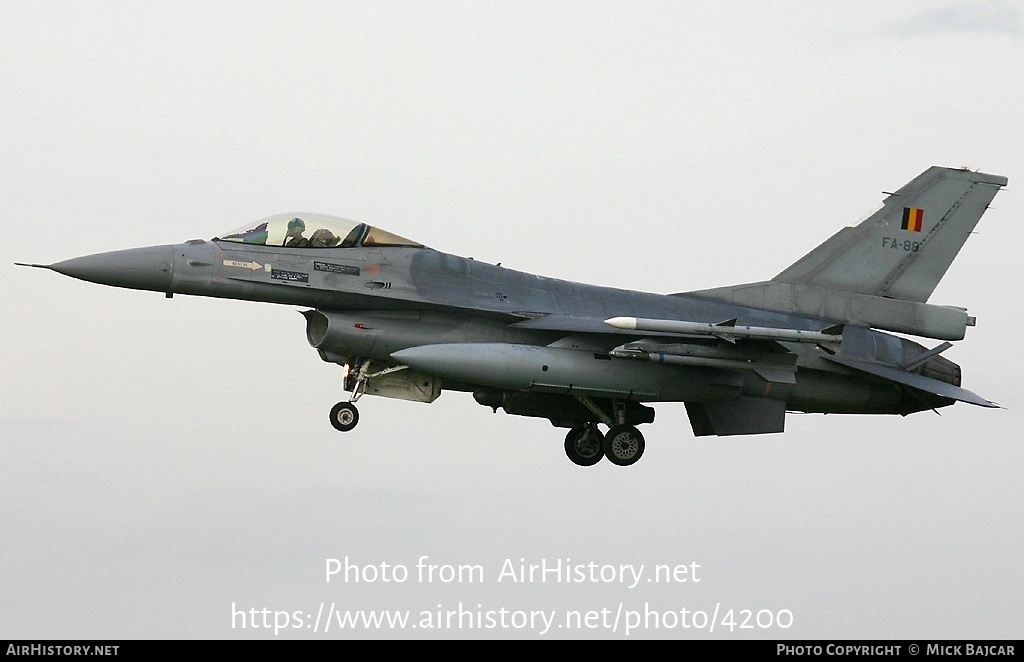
(407, 321)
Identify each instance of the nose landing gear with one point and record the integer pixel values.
(344, 415)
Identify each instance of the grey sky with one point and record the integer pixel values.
(165, 459)
(987, 16)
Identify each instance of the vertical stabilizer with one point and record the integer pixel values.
(902, 250)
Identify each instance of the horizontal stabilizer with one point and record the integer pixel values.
(734, 417)
(913, 380)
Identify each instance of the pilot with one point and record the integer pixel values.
(293, 238)
(323, 238)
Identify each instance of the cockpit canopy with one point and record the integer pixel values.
(314, 231)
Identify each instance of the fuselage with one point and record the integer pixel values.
(461, 300)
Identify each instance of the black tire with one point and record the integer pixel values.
(584, 446)
(344, 416)
(623, 445)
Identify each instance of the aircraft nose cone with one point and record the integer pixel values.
(137, 268)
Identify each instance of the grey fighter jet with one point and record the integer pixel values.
(407, 321)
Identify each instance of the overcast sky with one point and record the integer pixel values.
(163, 460)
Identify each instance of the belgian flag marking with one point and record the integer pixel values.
(913, 219)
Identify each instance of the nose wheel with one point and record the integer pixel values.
(344, 416)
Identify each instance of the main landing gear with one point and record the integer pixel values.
(622, 444)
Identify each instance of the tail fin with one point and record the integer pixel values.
(902, 250)
(881, 272)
